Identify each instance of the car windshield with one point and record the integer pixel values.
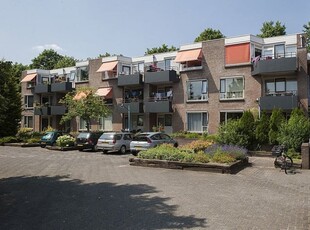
(107, 136)
(141, 137)
(48, 135)
(83, 135)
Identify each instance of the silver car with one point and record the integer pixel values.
(114, 142)
(144, 141)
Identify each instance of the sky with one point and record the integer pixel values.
(86, 28)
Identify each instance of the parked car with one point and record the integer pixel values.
(49, 138)
(115, 142)
(144, 141)
(87, 140)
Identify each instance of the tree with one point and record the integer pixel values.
(105, 55)
(276, 120)
(65, 62)
(10, 99)
(269, 29)
(262, 129)
(46, 60)
(164, 48)
(307, 31)
(209, 34)
(85, 104)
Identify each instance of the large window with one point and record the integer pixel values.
(281, 86)
(197, 90)
(230, 115)
(197, 122)
(82, 74)
(133, 95)
(28, 101)
(28, 121)
(232, 88)
(105, 123)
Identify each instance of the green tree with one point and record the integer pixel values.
(85, 104)
(209, 34)
(65, 62)
(105, 55)
(276, 120)
(46, 60)
(10, 99)
(295, 131)
(162, 49)
(307, 31)
(269, 29)
(262, 129)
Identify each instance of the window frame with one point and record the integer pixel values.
(26, 121)
(223, 88)
(204, 127)
(204, 94)
(26, 101)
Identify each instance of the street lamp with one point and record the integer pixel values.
(128, 110)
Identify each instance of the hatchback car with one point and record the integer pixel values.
(87, 140)
(144, 141)
(49, 138)
(114, 142)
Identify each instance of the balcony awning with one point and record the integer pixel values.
(104, 92)
(80, 95)
(29, 77)
(107, 66)
(188, 55)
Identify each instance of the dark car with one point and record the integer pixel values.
(87, 140)
(49, 138)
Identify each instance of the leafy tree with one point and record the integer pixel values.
(65, 62)
(10, 99)
(164, 48)
(276, 120)
(105, 55)
(85, 104)
(209, 34)
(295, 131)
(46, 60)
(262, 129)
(269, 29)
(307, 31)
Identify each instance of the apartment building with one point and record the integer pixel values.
(194, 89)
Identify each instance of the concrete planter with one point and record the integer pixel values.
(22, 144)
(210, 167)
(57, 148)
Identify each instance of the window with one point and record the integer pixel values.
(281, 86)
(133, 95)
(82, 124)
(28, 121)
(105, 123)
(167, 64)
(279, 51)
(229, 115)
(28, 100)
(197, 90)
(197, 122)
(231, 88)
(140, 120)
(290, 51)
(126, 70)
(82, 74)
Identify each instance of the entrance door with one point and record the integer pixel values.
(44, 123)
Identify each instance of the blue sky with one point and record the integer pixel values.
(87, 28)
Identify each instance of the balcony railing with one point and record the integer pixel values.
(58, 109)
(272, 64)
(42, 88)
(61, 87)
(42, 110)
(158, 105)
(283, 100)
(235, 95)
(134, 106)
(129, 80)
(159, 76)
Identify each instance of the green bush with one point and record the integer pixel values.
(220, 157)
(293, 154)
(198, 145)
(24, 133)
(276, 120)
(33, 140)
(9, 139)
(65, 141)
(262, 129)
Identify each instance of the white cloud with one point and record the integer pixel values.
(55, 47)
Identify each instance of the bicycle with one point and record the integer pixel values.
(282, 160)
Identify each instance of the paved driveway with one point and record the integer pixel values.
(44, 189)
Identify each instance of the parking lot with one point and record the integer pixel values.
(46, 189)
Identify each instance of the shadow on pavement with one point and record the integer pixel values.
(64, 203)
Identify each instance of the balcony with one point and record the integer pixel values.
(129, 80)
(42, 88)
(61, 87)
(135, 107)
(269, 65)
(58, 110)
(154, 105)
(284, 101)
(161, 77)
(42, 110)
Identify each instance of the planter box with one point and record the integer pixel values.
(22, 144)
(210, 167)
(57, 148)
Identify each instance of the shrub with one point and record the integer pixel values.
(293, 154)
(262, 129)
(197, 145)
(9, 139)
(238, 153)
(201, 157)
(33, 140)
(49, 129)
(24, 133)
(65, 141)
(276, 120)
(220, 157)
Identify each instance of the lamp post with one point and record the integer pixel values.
(128, 110)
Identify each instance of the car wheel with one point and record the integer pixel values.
(43, 146)
(135, 153)
(105, 151)
(81, 150)
(122, 150)
(175, 145)
(95, 148)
